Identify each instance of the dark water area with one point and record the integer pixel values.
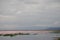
(40, 36)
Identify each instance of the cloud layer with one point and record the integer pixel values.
(15, 14)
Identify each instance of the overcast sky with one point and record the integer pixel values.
(20, 14)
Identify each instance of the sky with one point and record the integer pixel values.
(29, 14)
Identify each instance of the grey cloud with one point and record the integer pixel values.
(55, 1)
(11, 9)
(30, 12)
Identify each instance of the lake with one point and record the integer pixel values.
(41, 35)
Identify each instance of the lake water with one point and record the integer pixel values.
(40, 36)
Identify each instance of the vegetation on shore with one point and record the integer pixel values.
(56, 38)
(58, 31)
(11, 35)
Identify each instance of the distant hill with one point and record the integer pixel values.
(34, 28)
(53, 28)
(39, 28)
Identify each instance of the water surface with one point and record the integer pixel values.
(39, 36)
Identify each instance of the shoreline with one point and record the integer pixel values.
(9, 32)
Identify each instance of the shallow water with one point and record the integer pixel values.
(41, 36)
